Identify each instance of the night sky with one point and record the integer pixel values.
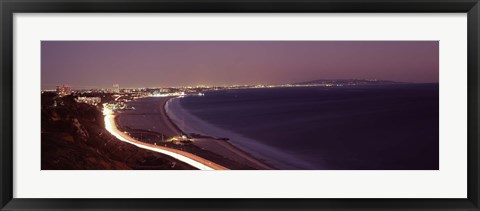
(99, 64)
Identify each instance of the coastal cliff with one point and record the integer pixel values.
(74, 138)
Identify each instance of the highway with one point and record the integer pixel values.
(191, 159)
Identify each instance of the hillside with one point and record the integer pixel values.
(74, 138)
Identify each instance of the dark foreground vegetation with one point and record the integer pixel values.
(74, 138)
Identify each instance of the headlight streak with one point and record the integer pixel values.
(110, 128)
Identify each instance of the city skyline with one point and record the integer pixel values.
(240, 105)
(135, 64)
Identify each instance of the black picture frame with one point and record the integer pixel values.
(9, 7)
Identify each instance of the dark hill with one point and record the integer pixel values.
(74, 138)
(347, 82)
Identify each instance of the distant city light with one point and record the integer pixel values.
(63, 90)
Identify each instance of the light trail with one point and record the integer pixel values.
(110, 126)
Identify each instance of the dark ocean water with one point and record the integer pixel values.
(372, 127)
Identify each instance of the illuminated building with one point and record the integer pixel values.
(89, 100)
(116, 88)
(63, 90)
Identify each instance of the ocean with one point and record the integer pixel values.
(379, 127)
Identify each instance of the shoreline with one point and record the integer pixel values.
(164, 114)
(219, 145)
(273, 157)
(186, 157)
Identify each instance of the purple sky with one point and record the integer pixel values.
(99, 64)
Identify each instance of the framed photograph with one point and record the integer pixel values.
(227, 105)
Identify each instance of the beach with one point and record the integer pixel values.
(191, 159)
(214, 149)
(297, 128)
